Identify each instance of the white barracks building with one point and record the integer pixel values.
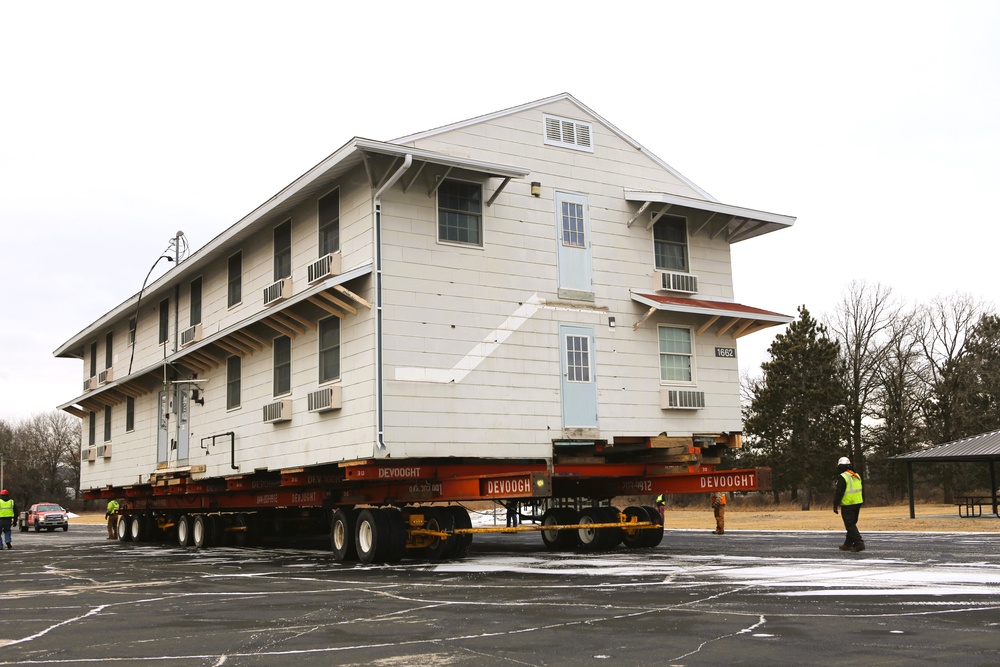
(523, 286)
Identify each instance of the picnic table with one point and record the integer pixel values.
(972, 506)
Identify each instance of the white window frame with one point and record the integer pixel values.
(320, 351)
(691, 356)
(482, 216)
(331, 224)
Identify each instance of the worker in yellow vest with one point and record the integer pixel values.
(7, 514)
(112, 516)
(848, 500)
(718, 502)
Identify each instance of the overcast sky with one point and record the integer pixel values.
(876, 124)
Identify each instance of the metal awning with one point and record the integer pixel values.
(730, 318)
(735, 223)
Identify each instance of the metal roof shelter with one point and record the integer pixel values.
(983, 447)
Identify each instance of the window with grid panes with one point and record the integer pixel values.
(234, 379)
(676, 352)
(578, 358)
(329, 349)
(235, 295)
(460, 212)
(573, 232)
(670, 243)
(282, 382)
(329, 223)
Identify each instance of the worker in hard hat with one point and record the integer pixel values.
(7, 514)
(661, 506)
(847, 499)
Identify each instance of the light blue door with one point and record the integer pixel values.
(579, 381)
(183, 423)
(576, 280)
(162, 434)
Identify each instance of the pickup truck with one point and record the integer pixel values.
(43, 515)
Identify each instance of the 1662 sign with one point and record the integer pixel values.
(728, 352)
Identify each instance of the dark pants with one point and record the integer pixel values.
(5, 524)
(850, 515)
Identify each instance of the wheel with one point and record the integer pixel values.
(38, 528)
(559, 540)
(654, 535)
(123, 530)
(184, 531)
(342, 534)
(65, 527)
(462, 520)
(240, 532)
(591, 539)
(137, 528)
(441, 520)
(395, 546)
(635, 539)
(368, 535)
(612, 536)
(200, 530)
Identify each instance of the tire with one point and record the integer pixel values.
(184, 531)
(591, 539)
(395, 547)
(462, 520)
(342, 536)
(123, 530)
(654, 535)
(442, 520)
(65, 527)
(612, 536)
(201, 532)
(38, 528)
(635, 539)
(241, 534)
(368, 535)
(559, 540)
(137, 528)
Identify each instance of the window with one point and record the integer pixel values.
(107, 423)
(131, 331)
(283, 250)
(235, 279)
(675, 354)
(282, 382)
(109, 346)
(164, 335)
(129, 414)
(92, 430)
(329, 349)
(460, 212)
(578, 358)
(195, 302)
(670, 243)
(574, 233)
(234, 371)
(329, 223)
(93, 359)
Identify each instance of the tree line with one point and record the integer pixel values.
(40, 459)
(877, 378)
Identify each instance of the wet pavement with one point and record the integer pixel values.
(744, 598)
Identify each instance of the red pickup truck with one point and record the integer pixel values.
(44, 515)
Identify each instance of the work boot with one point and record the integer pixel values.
(9, 546)
(845, 547)
(860, 546)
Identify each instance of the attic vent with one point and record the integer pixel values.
(568, 133)
(191, 335)
(277, 291)
(325, 399)
(325, 266)
(279, 411)
(676, 282)
(681, 399)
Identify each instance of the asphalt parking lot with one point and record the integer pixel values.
(745, 598)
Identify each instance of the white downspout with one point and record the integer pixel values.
(377, 242)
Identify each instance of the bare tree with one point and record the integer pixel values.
(863, 324)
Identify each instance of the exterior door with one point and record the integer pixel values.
(162, 433)
(574, 247)
(183, 422)
(579, 381)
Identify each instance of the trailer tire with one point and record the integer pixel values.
(441, 520)
(395, 546)
(200, 531)
(241, 533)
(654, 535)
(612, 536)
(184, 531)
(342, 534)
(559, 540)
(591, 539)
(462, 520)
(137, 528)
(637, 538)
(124, 528)
(368, 535)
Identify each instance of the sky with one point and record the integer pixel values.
(875, 124)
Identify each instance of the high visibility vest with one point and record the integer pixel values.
(852, 494)
(112, 507)
(718, 499)
(6, 509)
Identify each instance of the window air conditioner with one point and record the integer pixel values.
(680, 399)
(328, 398)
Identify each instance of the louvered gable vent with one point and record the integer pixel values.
(568, 133)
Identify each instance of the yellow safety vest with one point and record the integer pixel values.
(6, 509)
(112, 507)
(852, 494)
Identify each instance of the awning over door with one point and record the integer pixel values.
(724, 318)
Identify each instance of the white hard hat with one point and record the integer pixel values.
(844, 461)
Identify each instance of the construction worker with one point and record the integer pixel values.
(848, 500)
(111, 516)
(7, 514)
(718, 502)
(661, 506)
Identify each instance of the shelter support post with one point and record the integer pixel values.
(993, 485)
(909, 481)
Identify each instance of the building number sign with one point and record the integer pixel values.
(729, 352)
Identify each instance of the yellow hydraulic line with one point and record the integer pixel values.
(534, 528)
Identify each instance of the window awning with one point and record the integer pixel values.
(728, 318)
(714, 218)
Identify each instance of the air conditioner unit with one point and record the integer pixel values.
(324, 267)
(104, 451)
(681, 399)
(105, 376)
(676, 282)
(276, 291)
(191, 335)
(90, 454)
(328, 398)
(90, 383)
(279, 411)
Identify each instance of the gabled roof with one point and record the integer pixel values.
(549, 100)
(982, 447)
